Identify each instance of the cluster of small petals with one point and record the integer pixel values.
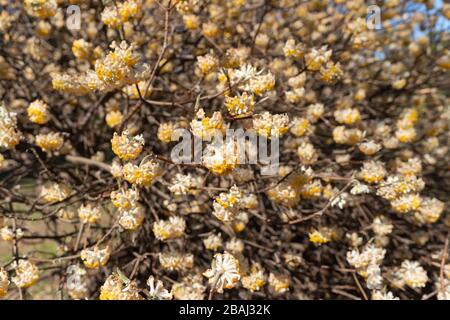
(38, 112)
(373, 172)
(127, 147)
(176, 261)
(117, 288)
(380, 295)
(142, 175)
(316, 58)
(9, 137)
(307, 153)
(429, 211)
(224, 272)
(261, 84)
(156, 290)
(293, 49)
(314, 112)
(190, 288)
(213, 242)
(119, 68)
(132, 218)
(300, 126)
(322, 235)
(208, 63)
(240, 106)
(115, 16)
(49, 142)
(279, 283)
(55, 192)
(184, 184)
(359, 188)
(255, 280)
(124, 198)
(413, 274)
(221, 158)
(166, 131)
(369, 255)
(41, 8)
(331, 72)
(70, 82)
(343, 135)
(269, 125)
(8, 234)
(207, 127)
(89, 213)
(171, 228)
(347, 116)
(382, 226)
(76, 282)
(406, 203)
(227, 204)
(395, 186)
(95, 257)
(27, 274)
(412, 167)
(82, 49)
(369, 148)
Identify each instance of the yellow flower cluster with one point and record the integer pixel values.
(322, 235)
(169, 229)
(127, 147)
(117, 288)
(115, 16)
(89, 213)
(119, 68)
(95, 257)
(206, 127)
(9, 137)
(54, 192)
(50, 142)
(269, 125)
(221, 159)
(226, 205)
(224, 272)
(41, 8)
(176, 261)
(255, 279)
(38, 112)
(142, 175)
(240, 106)
(27, 274)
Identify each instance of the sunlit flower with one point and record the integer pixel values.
(176, 261)
(27, 274)
(169, 229)
(279, 283)
(51, 141)
(95, 257)
(89, 213)
(127, 147)
(55, 192)
(142, 175)
(118, 288)
(157, 291)
(224, 272)
(38, 112)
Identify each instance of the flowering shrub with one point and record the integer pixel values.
(93, 204)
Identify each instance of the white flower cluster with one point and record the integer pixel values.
(367, 264)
